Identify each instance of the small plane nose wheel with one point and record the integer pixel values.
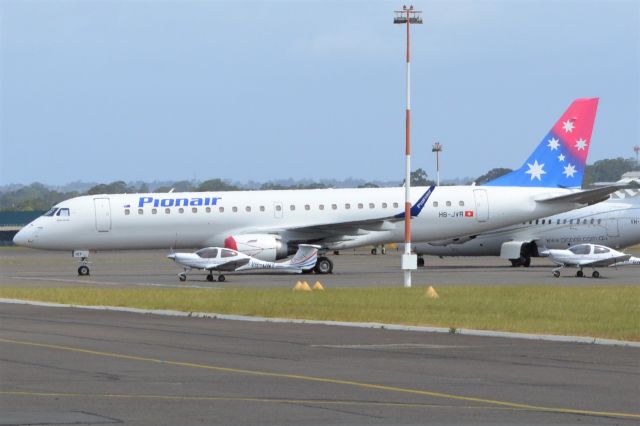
(221, 278)
(556, 274)
(182, 276)
(595, 274)
(83, 270)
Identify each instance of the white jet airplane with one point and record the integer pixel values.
(269, 225)
(587, 256)
(220, 259)
(614, 223)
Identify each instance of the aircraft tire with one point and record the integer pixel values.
(221, 278)
(83, 270)
(526, 262)
(515, 263)
(579, 274)
(556, 274)
(210, 277)
(324, 265)
(420, 262)
(182, 276)
(374, 251)
(595, 274)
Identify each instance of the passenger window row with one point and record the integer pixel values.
(591, 221)
(278, 208)
(448, 203)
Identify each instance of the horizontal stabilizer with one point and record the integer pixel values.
(589, 196)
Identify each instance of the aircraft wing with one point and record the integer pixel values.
(605, 262)
(589, 196)
(229, 266)
(332, 232)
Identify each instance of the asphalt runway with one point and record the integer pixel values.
(27, 267)
(74, 366)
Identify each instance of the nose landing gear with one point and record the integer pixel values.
(83, 255)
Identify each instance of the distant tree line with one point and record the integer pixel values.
(37, 196)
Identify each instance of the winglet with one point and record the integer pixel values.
(560, 158)
(418, 206)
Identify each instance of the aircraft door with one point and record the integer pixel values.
(482, 205)
(277, 210)
(612, 227)
(103, 214)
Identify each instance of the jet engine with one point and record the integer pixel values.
(261, 246)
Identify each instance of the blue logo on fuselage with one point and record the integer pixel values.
(177, 202)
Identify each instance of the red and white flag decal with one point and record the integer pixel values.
(468, 213)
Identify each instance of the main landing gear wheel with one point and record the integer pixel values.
(324, 265)
(595, 274)
(182, 276)
(556, 274)
(421, 261)
(83, 270)
(580, 274)
(221, 278)
(210, 277)
(525, 261)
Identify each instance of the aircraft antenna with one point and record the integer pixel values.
(408, 16)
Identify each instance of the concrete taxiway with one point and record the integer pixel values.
(26, 267)
(73, 366)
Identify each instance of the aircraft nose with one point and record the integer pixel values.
(21, 238)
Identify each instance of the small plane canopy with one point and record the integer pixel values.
(581, 249)
(207, 253)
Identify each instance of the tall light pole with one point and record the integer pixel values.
(408, 16)
(437, 148)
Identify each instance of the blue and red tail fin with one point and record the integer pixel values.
(560, 159)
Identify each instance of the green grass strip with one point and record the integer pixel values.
(607, 312)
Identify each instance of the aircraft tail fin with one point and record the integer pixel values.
(305, 258)
(560, 158)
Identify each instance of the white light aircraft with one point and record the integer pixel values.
(220, 259)
(269, 225)
(588, 256)
(614, 223)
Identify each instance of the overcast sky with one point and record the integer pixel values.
(107, 90)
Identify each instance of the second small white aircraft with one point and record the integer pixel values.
(219, 259)
(588, 256)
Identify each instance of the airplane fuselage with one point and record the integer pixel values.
(614, 223)
(203, 219)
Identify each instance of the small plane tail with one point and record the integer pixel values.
(560, 158)
(305, 258)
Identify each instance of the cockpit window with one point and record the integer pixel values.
(228, 253)
(581, 249)
(63, 212)
(51, 211)
(600, 250)
(208, 253)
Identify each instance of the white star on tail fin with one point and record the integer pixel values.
(581, 144)
(553, 144)
(569, 171)
(568, 126)
(535, 170)
(561, 157)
